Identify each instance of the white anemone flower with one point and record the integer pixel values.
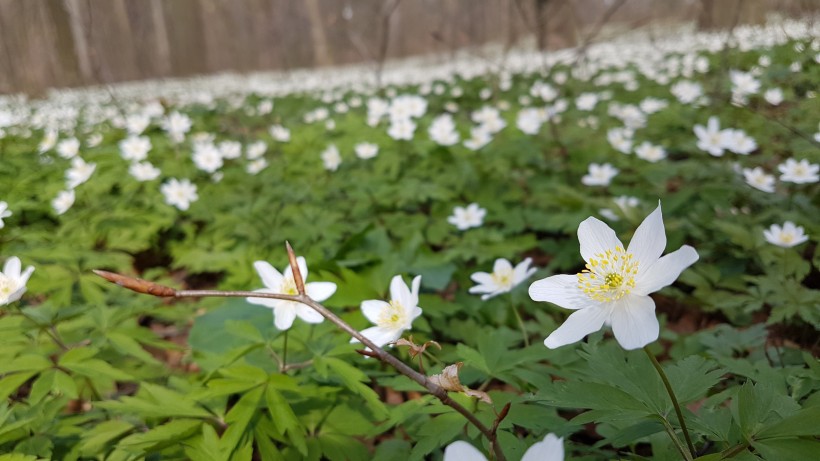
(4, 213)
(614, 287)
(549, 449)
(394, 317)
(504, 278)
(786, 236)
(13, 281)
(284, 312)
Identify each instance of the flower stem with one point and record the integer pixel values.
(520, 324)
(675, 440)
(674, 400)
(285, 350)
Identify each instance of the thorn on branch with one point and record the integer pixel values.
(294, 267)
(136, 284)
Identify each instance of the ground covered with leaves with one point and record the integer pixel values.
(438, 172)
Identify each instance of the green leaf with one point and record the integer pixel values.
(285, 419)
(95, 439)
(238, 419)
(802, 423)
(352, 378)
(10, 383)
(437, 433)
(787, 449)
(168, 434)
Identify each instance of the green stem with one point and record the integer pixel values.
(520, 325)
(674, 399)
(675, 440)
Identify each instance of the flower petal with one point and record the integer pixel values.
(559, 289)
(26, 274)
(269, 275)
(502, 265)
(380, 336)
(634, 322)
(399, 292)
(12, 268)
(549, 449)
(596, 237)
(482, 278)
(649, 241)
(372, 308)
(462, 451)
(308, 314)
(523, 271)
(415, 291)
(284, 314)
(665, 270)
(320, 291)
(578, 325)
(267, 302)
(303, 269)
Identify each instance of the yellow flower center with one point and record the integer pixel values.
(609, 276)
(289, 286)
(502, 279)
(7, 286)
(393, 316)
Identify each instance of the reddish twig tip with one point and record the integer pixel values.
(138, 285)
(294, 268)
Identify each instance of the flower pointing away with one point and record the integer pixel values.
(284, 312)
(614, 287)
(504, 278)
(549, 449)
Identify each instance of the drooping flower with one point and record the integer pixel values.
(787, 236)
(284, 312)
(549, 449)
(394, 317)
(63, 201)
(466, 217)
(614, 287)
(12, 281)
(758, 179)
(79, 172)
(503, 278)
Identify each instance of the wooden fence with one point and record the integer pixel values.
(54, 43)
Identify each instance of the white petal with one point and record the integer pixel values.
(649, 241)
(308, 314)
(267, 302)
(559, 289)
(415, 290)
(269, 275)
(302, 264)
(462, 451)
(482, 289)
(523, 271)
(399, 292)
(380, 336)
(634, 323)
(12, 268)
(320, 291)
(549, 449)
(502, 265)
(665, 270)
(26, 274)
(596, 237)
(482, 278)
(578, 325)
(373, 308)
(283, 315)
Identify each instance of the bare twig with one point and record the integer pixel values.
(146, 287)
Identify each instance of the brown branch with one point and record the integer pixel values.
(146, 287)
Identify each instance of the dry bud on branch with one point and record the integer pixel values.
(136, 284)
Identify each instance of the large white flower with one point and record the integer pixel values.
(12, 281)
(503, 278)
(394, 317)
(284, 312)
(614, 287)
(787, 236)
(549, 449)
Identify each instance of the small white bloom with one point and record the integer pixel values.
(615, 286)
(135, 124)
(626, 202)
(256, 166)
(801, 172)
(177, 125)
(13, 281)
(331, 158)
(207, 157)
(230, 149)
(255, 150)
(402, 129)
(529, 120)
(366, 150)
(599, 175)
(758, 179)
(586, 101)
(787, 236)
(773, 96)
(687, 92)
(738, 141)
(143, 171)
(48, 142)
(79, 172)
(68, 148)
(135, 148)
(179, 193)
(503, 278)
(394, 317)
(285, 312)
(650, 152)
(4, 213)
(63, 202)
(549, 449)
(711, 138)
(280, 133)
(466, 217)
(443, 130)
